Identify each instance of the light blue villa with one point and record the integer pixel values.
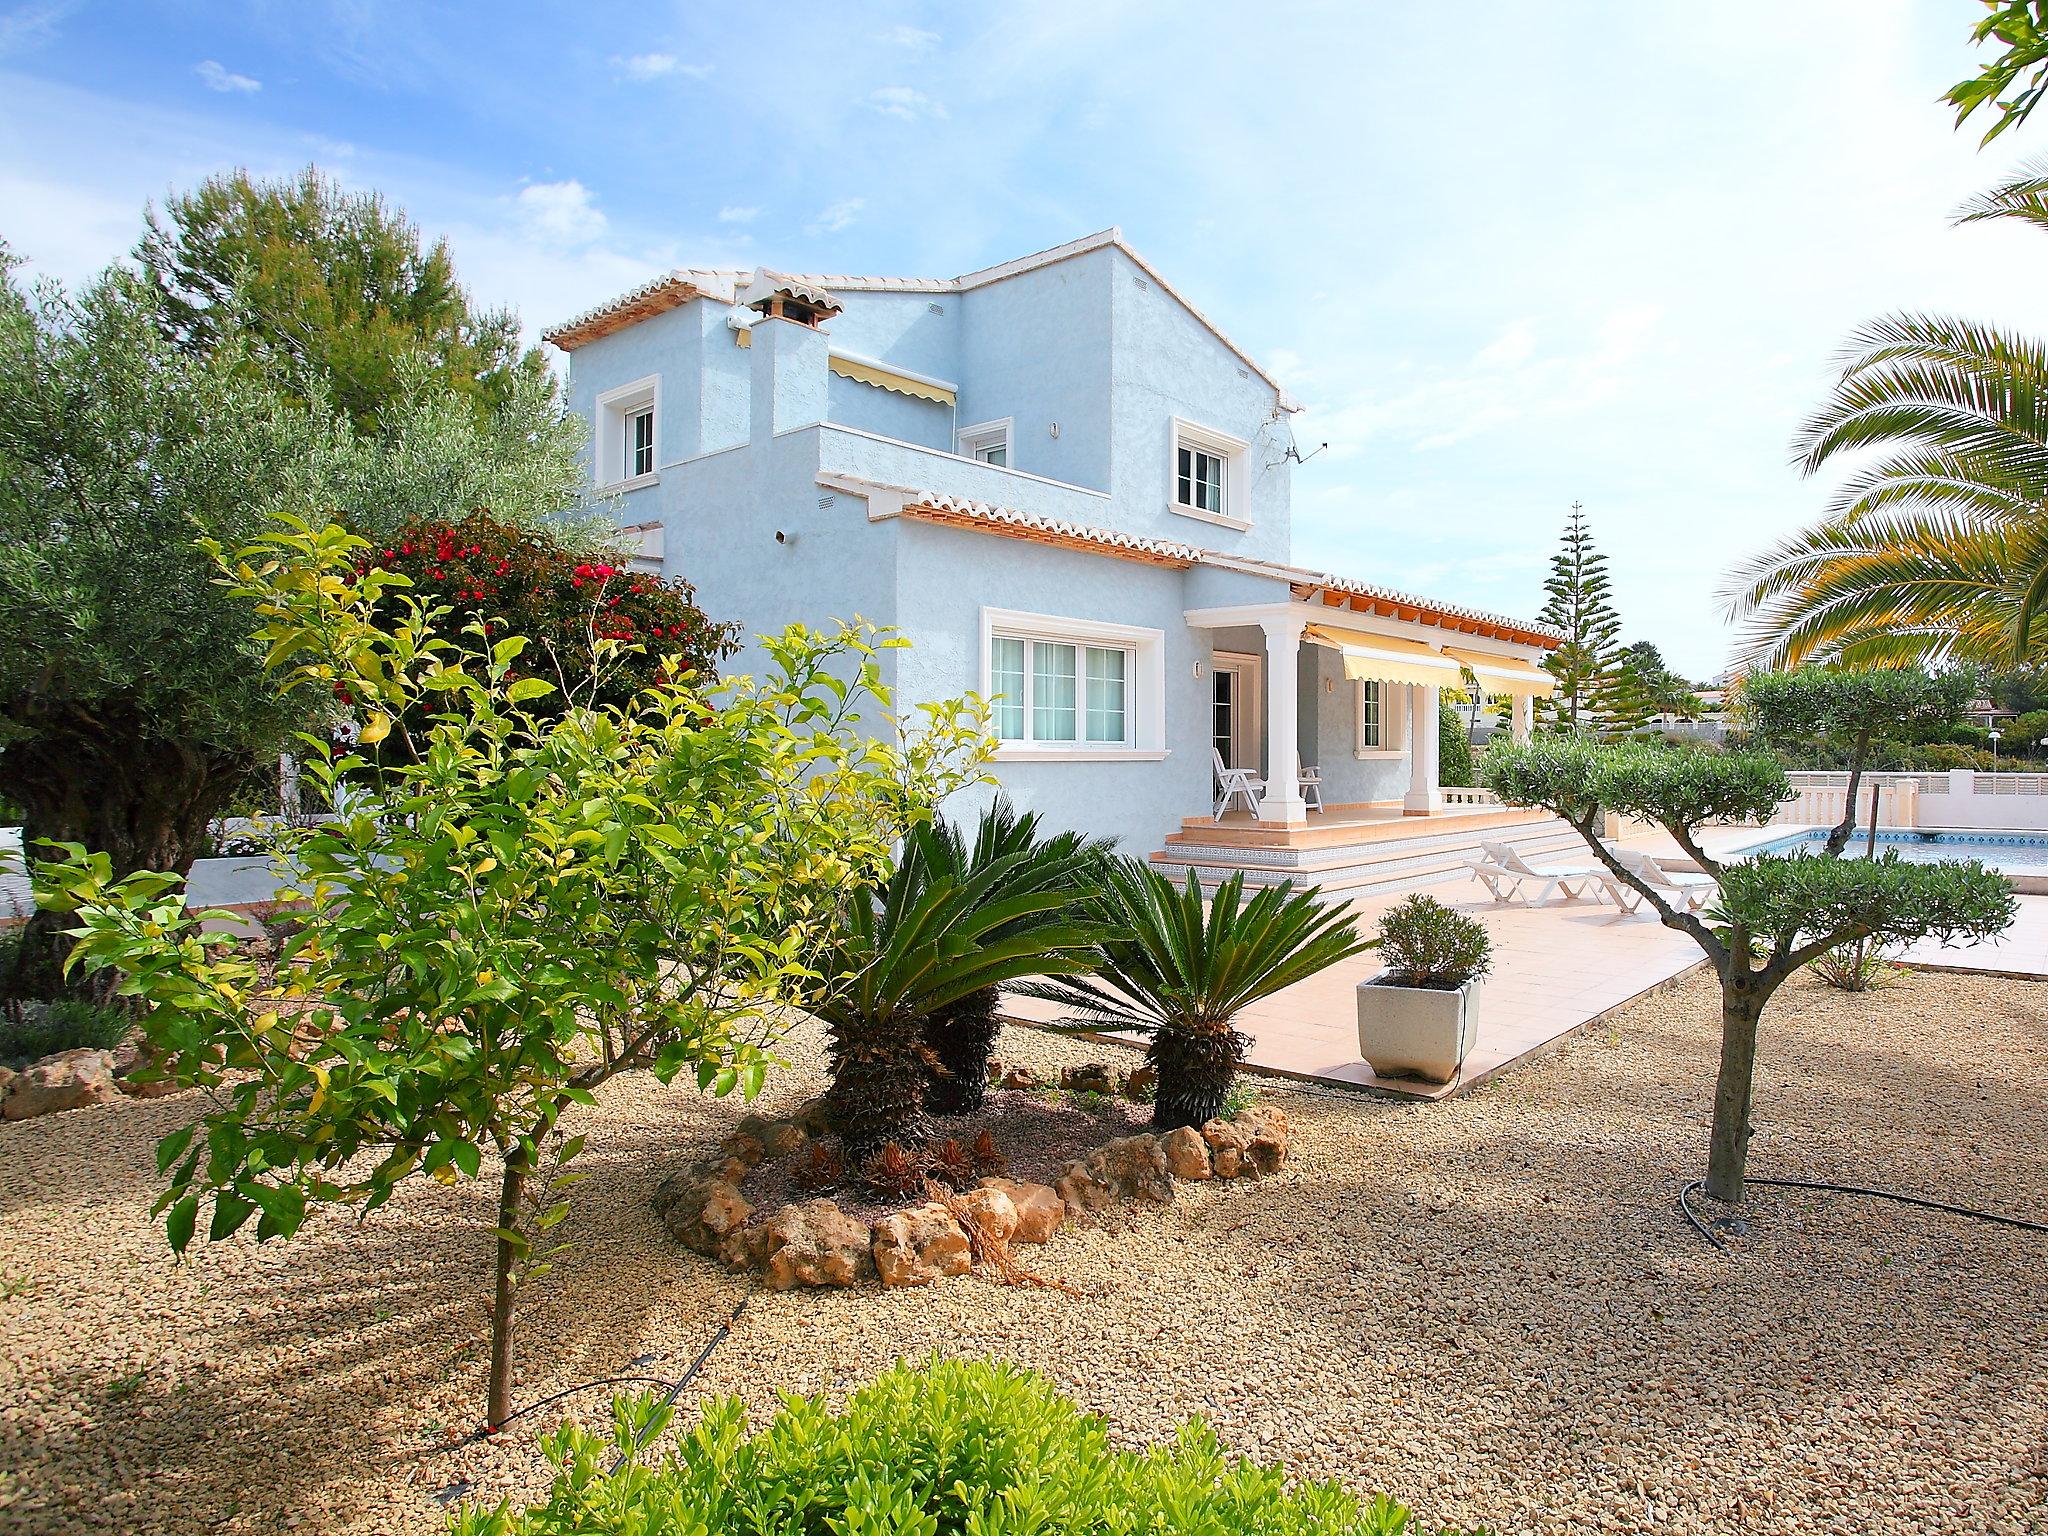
(1069, 490)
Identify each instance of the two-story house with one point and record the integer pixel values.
(1068, 489)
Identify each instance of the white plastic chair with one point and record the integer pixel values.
(1232, 782)
(1310, 780)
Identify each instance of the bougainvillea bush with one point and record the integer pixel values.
(504, 579)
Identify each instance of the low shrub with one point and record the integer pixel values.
(1859, 966)
(43, 1029)
(943, 1449)
(1426, 944)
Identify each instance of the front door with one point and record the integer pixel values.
(1235, 709)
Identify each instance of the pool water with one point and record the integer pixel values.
(1998, 850)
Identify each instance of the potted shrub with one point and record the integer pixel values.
(1418, 1016)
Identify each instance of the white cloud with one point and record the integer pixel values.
(904, 102)
(1515, 344)
(832, 219)
(561, 212)
(913, 38)
(216, 77)
(733, 214)
(653, 66)
(31, 26)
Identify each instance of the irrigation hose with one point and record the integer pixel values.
(675, 1391)
(1685, 1204)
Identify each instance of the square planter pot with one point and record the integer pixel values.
(1416, 1031)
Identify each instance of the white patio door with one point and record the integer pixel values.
(1235, 708)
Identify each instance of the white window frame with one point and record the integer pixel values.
(983, 435)
(1394, 701)
(1144, 685)
(616, 409)
(1235, 453)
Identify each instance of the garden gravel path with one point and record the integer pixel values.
(1486, 1307)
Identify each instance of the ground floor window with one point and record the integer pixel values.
(1061, 687)
(1382, 717)
(1054, 691)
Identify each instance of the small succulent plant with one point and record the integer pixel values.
(986, 1158)
(894, 1172)
(819, 1168)
(952, 1163)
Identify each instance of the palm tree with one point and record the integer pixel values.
(922, 943)
(959, 1037)
(1938, 551)
(1180, 970)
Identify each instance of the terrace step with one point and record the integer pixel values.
(1381, 867)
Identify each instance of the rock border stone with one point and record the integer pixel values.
(816, 1243)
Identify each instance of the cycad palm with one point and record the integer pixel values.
(1180, 970)
(923, 942)
(1939, 550)
(960, 1036)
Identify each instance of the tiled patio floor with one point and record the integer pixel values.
(1557, 968)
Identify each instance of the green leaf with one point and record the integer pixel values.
(179, 1224)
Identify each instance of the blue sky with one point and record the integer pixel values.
(1511, 255)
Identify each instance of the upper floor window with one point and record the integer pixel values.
(628, 433)
(988, 443)
(640, 443)
(1209, 478)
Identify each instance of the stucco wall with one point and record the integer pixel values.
(873, 409)
(946, 575)
(1166, 363)
(1347, 778)
(901, 328)
(1035, 348)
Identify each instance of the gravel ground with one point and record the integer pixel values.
(1486, 1308)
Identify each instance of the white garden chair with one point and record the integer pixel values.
(1504, 873)
(1232, 782)
(1310, 779)
(1685, 891)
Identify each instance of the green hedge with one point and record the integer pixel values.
(946, 1449)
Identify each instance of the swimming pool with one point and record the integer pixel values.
(2012, 851)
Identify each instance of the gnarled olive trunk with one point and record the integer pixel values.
(143, 801)
(1196, 1069)
(960, 1040)
(1742, 1004)
(878, 1078)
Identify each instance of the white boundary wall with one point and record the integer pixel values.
(1959, 800)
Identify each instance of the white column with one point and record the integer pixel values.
(1424, 704)
(1522, 720)
(1282, 801)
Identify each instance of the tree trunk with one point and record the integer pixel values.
(144, 802)
(960, 1041)
(1838, 839)
(511, 1191)
(1196, 1069)
(878, 1079)
(1742, 1004)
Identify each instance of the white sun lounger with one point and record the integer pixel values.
(1504, 873)
(1685, 891)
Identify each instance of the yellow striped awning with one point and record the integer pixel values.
(888, 378)
(1374, 658)
(1506, 674)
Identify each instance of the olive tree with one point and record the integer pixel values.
(1851, 711)
(542, 895)
(1775, 913)
(133, 705)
